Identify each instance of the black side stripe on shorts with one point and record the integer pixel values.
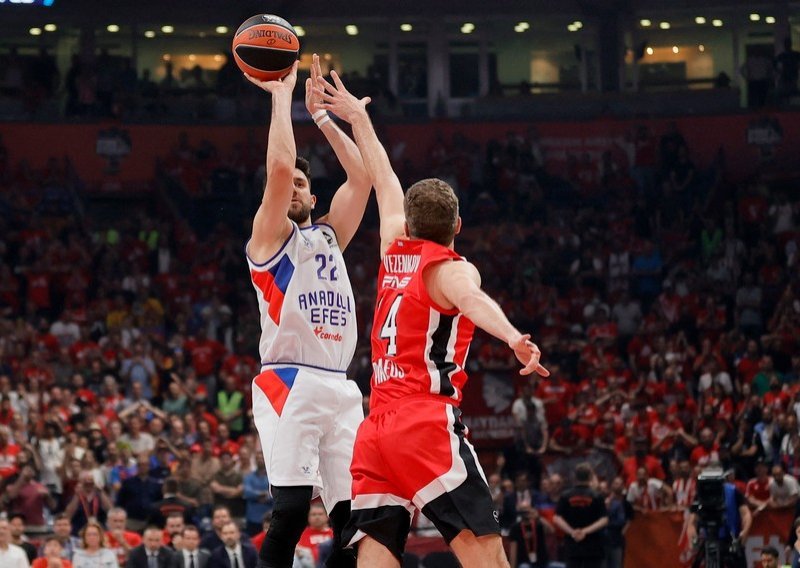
(438, 353)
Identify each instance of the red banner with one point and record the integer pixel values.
(487, 409)
(653, 538)
(119, 153)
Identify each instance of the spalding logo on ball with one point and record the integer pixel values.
(265, 47)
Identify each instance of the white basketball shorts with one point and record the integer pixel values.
(307, 420)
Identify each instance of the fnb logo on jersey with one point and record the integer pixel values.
(392, 281)
(320, 332)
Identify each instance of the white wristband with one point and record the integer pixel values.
(318, 114)
(323, 121)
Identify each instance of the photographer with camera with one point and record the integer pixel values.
(721, 519)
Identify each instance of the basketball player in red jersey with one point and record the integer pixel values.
(412, 451)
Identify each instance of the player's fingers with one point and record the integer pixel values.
(323, 106)
(542, 371)
(323, 95)
(326, 85)
(338, 81)
(366, 100)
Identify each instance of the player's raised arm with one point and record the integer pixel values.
(388, 190)
(350, 200)
(458, 284)
(271, 225)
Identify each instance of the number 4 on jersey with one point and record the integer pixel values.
(389, 328)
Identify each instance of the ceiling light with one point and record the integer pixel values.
(664, 25)
(468, 28)
(167, 29)
(112, 28)
(700, 20)
(50, 27)
(221, 29)
(217, 58)
(572, 28)
(578, 24)
(770, 19)
(755, 17)
(649, 51)
(523, 26)
(150, 34)
(299, 30)
(645, 23)
(701, 47)
(167, 57)
(192, 57)
(351, 29)
(406, 27)
(675, 49)
(716, 23)
(35, 31)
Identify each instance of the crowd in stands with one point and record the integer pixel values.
(664, 297)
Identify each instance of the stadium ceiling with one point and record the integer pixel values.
(78, 12)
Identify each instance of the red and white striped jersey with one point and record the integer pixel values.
(417, 346)
(306, 302)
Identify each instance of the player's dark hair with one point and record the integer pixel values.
(431, 209)
(583, 474)
(304, 166)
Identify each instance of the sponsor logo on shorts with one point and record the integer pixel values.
(320, 332)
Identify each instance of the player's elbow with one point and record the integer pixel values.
(280, 165)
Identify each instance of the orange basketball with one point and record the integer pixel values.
(265, 47)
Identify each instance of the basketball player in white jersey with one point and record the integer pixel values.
(304, 408)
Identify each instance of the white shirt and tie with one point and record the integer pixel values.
(190, 559)
(152, 558)
(235, 556)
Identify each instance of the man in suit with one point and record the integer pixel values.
(234, 553)
(191, 555)
(151, 553)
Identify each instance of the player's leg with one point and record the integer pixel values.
(289, 520)
(479, 551)
(286, 417)
(456, 498)
(380, 518)
(335, 457)
(372, 554)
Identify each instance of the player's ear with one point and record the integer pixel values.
(313, 201)
(458, 225)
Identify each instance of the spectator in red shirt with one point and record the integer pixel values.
(119, 540)
(8, 456)
(316, 534)
(206, 355)
(707, 451)
(642, 458)
(757, 491)
(258, 540)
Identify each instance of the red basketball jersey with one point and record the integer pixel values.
(417, 346)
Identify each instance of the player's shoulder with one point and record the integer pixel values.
(321, 230)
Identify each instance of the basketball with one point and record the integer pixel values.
(265, 47)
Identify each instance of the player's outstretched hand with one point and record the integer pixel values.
(281, 85)
(337, 99)
(312, 99)
(528, 354)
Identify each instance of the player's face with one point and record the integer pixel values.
(302, 200)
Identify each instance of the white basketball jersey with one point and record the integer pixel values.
(306, 302)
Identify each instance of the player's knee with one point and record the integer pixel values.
(289, 519)
(290, 512)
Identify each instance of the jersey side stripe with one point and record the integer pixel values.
(442, 352)
(433, 370)
(273, 284)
